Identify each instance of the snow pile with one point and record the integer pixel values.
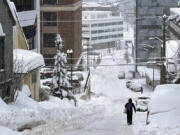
(25, 61)
(172, 47)
(6, 131)
(3, 106)
(26, 90)
(164, 106)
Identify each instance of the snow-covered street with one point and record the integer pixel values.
(103, 115)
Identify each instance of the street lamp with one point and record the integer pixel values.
(70, 51)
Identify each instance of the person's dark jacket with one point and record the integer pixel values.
(129, 107)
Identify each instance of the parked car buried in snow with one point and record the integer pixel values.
(136, 87)
(76, 76)
(46, 73)
(164, 109)
(121, 75)
(142, 104)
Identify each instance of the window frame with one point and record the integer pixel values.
(54, 21)
(23, 5)
(31, 41)
(47, 44)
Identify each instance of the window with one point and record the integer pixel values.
(34, 77)
(49, 39)
(49, 59)
(29, 33)
(52, 2)
(24, 5)
(50, 18)
(1, 52)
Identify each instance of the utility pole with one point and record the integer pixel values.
(87, 53)
(163, 52)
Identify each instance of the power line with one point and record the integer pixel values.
(74, 20)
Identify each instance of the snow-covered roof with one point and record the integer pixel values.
(175, 10)
(172, 47)
(1, 31)
(12, 9)
(26, 61)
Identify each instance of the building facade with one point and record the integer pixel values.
(102, 29)
(29, 17)
(62, 17)
(149, 25)
(174, 25)
(6, 52)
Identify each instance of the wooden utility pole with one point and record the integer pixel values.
(163, 52)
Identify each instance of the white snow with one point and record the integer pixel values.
(164, 106)
(1, 31)
(172, 47)
(12, 9)
(144, 71)
(25, 90)
(102, 115)
(6, 131)
(25, 60)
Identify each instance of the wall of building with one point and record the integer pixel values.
(32, 81)
(6, 75)
(102, 29)
(148, 25)
(27, 18)
(69, 22)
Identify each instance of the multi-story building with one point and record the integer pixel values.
(6, 51)
(29, 17)
(63, 17)
(102, 29)
(149, 25)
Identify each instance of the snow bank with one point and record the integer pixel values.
(6, 131)
(25, 90)
(3, 105)
(164, 106)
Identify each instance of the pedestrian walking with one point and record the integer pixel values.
(129, 111)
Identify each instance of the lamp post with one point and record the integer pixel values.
(70, 51)
(163, 50)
